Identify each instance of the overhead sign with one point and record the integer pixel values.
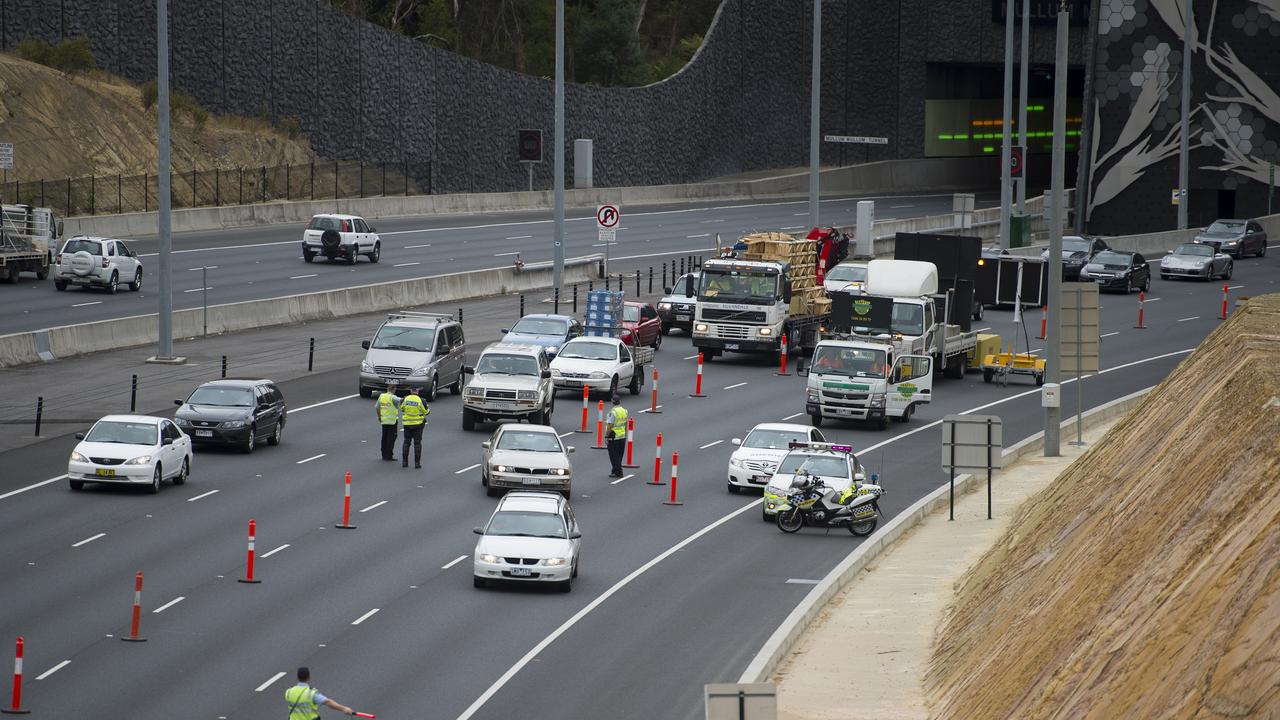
(607, 217)
(860, 139)
(1015, 162)
(529, 144)
(6, 156)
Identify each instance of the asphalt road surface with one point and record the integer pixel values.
(264, 262)
(669, 598)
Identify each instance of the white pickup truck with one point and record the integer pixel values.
(602, 364)
(865, 380)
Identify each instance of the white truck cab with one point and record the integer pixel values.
(865, 380)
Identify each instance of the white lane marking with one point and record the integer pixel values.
(519, 237)
(1193, 317)
(794, 416)
(698, 236)
(564, 627)
(313, 457)
(203, 495)
(223, 247)
(203, 267)
(692, 357)
(365, 616)
(735, 385)
(198, 289)
(624, 477)
(1109, 334)
(801, 581)
(565, 434)
(650, 409)
(899, 207)
(482, 227)
(516, 252)
(53, 669)
(374, 506)
(408, 264)
(42, 483)
(86, 304)
(1034, 352)
(453, 562)
(88, 540)
(299, 277)
(168, 605)
(793, 227)
(268, 683)
(273, 552)
(1234, 287)
(415, 247)
(982, 329)
(1155, 299)
(664, 254)
(710, 444)
(323, 403)
(468, 468)
(799, 214)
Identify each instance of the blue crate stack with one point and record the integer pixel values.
(604, 313)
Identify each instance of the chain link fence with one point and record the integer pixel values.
(115, 194)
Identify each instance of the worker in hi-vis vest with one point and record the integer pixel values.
(305, 701)
(388, 409)
(413, 414)
(616, 431)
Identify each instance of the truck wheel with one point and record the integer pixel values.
(308, 256)
(815, 419)
(957, 367)
(637, 379)
(468, 419)
(988, 375)
(60, 285)
(666, 328)
(11, 273)
(43, 273)
(882, 424)
(1040, 379)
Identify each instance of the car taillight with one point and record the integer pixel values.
(104, 261)
(57, 260)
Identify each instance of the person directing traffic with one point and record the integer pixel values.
(388, 409)
(305, 701)
(617, 431)
(413, 413)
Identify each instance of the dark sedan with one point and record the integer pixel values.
(239, 413)
(1236, 238)
(1116, 270)
(1076, 253)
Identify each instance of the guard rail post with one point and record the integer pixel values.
(459, 316)
(637, 283)
(664, 276)
(521, 304)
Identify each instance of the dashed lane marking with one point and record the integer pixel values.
(519, 237)
(269, 682)
(468, 468)
(88, 540)
(514, 252)
(299, 277)
(1234, 287)
(313, 457)
(273, 552)
(453, 562)
(735, 385)
(374, 506)
(565, 434)
(1194, 317)
(87, 304)
(692, 357)
(203, 495)
(793, 416)
(649, 409)
(53, 669)
(408, 264)
(801, 581)
(415, 247)
(702, 235)
(624, 477)
(365, 616)
(198, 289)
(1109, 334)
(168, 605)
(710, 444)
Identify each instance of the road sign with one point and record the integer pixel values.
(972, 442)
(608, 237)
(607, 217)
(1079, 344)
(6, 156)
(529, 145)
(859, 139)
(1015, 162)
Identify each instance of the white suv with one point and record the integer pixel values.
(340, 236)
(511, 382)
(97, 262)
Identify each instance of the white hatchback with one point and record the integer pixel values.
(758, 454)
(531, 537)
(131, 449)
(345, 237)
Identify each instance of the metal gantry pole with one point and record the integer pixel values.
(815, 93)
(1053, 415)
(165, 351)
(1184, 142)
(558, 264)
(1023, 101)
(1005, 147)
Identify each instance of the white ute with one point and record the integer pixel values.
(603, 364)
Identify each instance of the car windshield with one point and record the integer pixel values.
(848, 273)
(529, 441)
(739, 286)
(89, 246)
(820, 465)
(125, 433)
(504, 364)
(1076, 244)
(1112, 259)
(854, 362)
(399, 337)
(630, 313)
(774, 439)
(522, 523)
(590, 351)
(908, 319)
(541, 326)
(1234, 227)
(1194, 249)
(329, 223)
(679, 287)
(224, 396)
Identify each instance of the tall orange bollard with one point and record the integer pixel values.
(599, 427)
(631, 437)
(586, 395)
(783, 370)
(133, 635)
(1044, 322)
(657, 463)
(653, 403)
(1142, 299)
(675, 479)
(1224, 302)
(15, 707)
(346, 505)
(697, 387)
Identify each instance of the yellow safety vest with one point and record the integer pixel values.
(388, 413)
(413, 411)
(618, 421)
(302, 703)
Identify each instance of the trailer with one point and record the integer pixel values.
(27, 239)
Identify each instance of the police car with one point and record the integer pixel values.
(835, 465)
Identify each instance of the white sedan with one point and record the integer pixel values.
(758, 454)
(531, 537)
(131, 449)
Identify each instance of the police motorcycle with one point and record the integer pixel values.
(810, 502)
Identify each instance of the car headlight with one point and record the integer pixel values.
(140, 460)
(813, 396)
(77, 457)
(553, 562)
(598, 375)
(664, 306)
(486, 557)
(182, 422)
(366, 367)
(500, 468)
(562, 471)
(474, 392)
(556, 373)
(1232, 242)
(552, 349)
(526, 394)
(877, 401)
(734, 462)
(420, 372)
(766, 331)
(1084, 272)
(700, 327)
(232, 424)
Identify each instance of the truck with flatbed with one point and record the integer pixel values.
(748, 306)
(28, 236)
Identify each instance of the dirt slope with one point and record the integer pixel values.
(1146, 582)
(64, 126)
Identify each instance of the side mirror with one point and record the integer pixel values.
(477, 530)
(546, 374)
(504, 331)
(59, 229)
(365, 344)
(167, 441)
(569, 449)
(735, 441)
(801, 369)
(666, 291)
(688, 290)
(486, 444)
(468, 370)
(178, 403)
(575, 535)
(373, 229)
(79, 436)
(786, 292)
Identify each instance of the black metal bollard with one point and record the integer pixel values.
(311, 355)
(575, 298)
(607, 288)
(591, 286)
(133, 394)
(664, 276)
(459, 316)
(650, 279)
(556, 295)
(521, 304)
(39, 413)
(224, 366)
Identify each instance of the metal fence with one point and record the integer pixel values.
(114, 194)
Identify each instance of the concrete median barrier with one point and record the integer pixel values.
(70, 340)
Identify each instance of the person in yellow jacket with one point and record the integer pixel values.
(413, 414)
(305, 701)
(388, 410)
(616, 432)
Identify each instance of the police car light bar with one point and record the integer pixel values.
(794, 444)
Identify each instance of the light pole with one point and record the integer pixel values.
(165, 352)
(1005, 149)
(1023, 100)
(1184, 144)
(558, 180)
(815, 92)
(1053, 371)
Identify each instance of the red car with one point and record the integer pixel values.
(642, 321)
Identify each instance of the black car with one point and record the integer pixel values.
(239, 413)
(1236, 238)
(1077, 252)
(1117, 270)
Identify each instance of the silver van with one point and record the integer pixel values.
(414, 348)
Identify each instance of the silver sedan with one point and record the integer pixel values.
(529, 457)
(1196, 260)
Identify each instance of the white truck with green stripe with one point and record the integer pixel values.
(865, 380)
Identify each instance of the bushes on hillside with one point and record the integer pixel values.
(179, 102)
(70, 56)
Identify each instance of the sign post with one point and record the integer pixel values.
(972, 442)
(607, 219)
(529, 150)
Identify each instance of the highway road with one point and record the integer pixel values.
(669, 598)
(263, 262)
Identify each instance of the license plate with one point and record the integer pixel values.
(760, 479)
(502, 404)
(843, 411)
(731, 346)
(104, 472)
(521, 572)
(531, 481)
(683, 316)
(204, 433)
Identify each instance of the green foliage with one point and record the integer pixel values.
(71, 56)
(179, 102)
